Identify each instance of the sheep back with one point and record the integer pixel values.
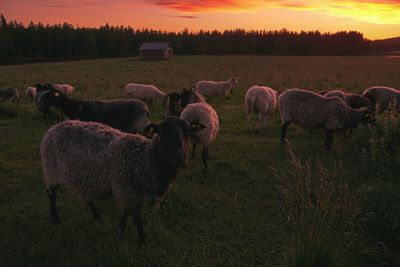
(143, 91)
(93, 160)
(202, 113)
(310, 110)
(260, 99)
(383, 96)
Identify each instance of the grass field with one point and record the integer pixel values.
(256, 204)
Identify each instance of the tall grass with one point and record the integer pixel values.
(323, 214)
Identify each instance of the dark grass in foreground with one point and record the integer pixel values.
(251, 207)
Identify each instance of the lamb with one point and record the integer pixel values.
(94, 161)
(311, 110)
(260, 100)
(176, 102)
(220, 89)
(130, 115)
(143, 91)
(9, 94)
(204, 114)
(383, 97)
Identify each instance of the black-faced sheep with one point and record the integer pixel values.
(130, 115)
(310, 110)
(204, 114)
(260, 100)
(220, 89)
(94, 161)
(143, 92)
(176, 102)
(352, 100)
(9, 94)
(382, 97)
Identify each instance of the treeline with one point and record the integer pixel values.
(38, 42)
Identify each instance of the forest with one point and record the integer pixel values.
(37, 42)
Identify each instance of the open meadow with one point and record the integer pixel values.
(259, 203)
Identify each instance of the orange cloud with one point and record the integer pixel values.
(371, 11)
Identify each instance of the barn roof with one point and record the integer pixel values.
(154, 46)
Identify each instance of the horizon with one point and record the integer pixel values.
(375, 19)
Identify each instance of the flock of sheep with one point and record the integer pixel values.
(110, 147)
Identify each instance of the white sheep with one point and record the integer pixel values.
(204, 114)
(143, 91)
(65, 89)
(31, 92)
(382, 97)
(220, 89)
(94, 161)
(261, 100)
(310, 110)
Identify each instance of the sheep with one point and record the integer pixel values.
(41, 103)
(211, 88)
(176, 102)
(65, 89)
(94, 161)
(202, 113)
(31, 92)
(9, 94)
(383, 97)
(143, 91)
(260, 100)
(310, 110)
(352, 100)
(129, 115)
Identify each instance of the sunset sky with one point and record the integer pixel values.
(377, 19)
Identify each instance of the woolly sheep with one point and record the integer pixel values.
(9, 94)
(204, 114)
(143, 91)
(176, 102)
(260, 100)
(31, 92)
(383, 97)
(65, 89)
(211, 88)
(352, 100)
(129, 115)
(94, 161)
(310, 110)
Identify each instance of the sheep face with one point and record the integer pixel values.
(368, 119)
(173, 135)
(174, 104)
(234, 81)
(48, 98)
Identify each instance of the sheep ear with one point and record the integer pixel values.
(195, 126)
(150, 130)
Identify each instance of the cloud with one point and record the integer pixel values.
(57, 6)
(207, 5)
(185, 17)
(371, 11)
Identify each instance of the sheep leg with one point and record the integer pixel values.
(95, 212)
(138, 219)
(193, 151)
(259, 124)
(124, 218)
(204, 155)
(328, 140)
(52, 193)
(283, 131)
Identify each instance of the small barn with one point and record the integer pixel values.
(155, 51)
